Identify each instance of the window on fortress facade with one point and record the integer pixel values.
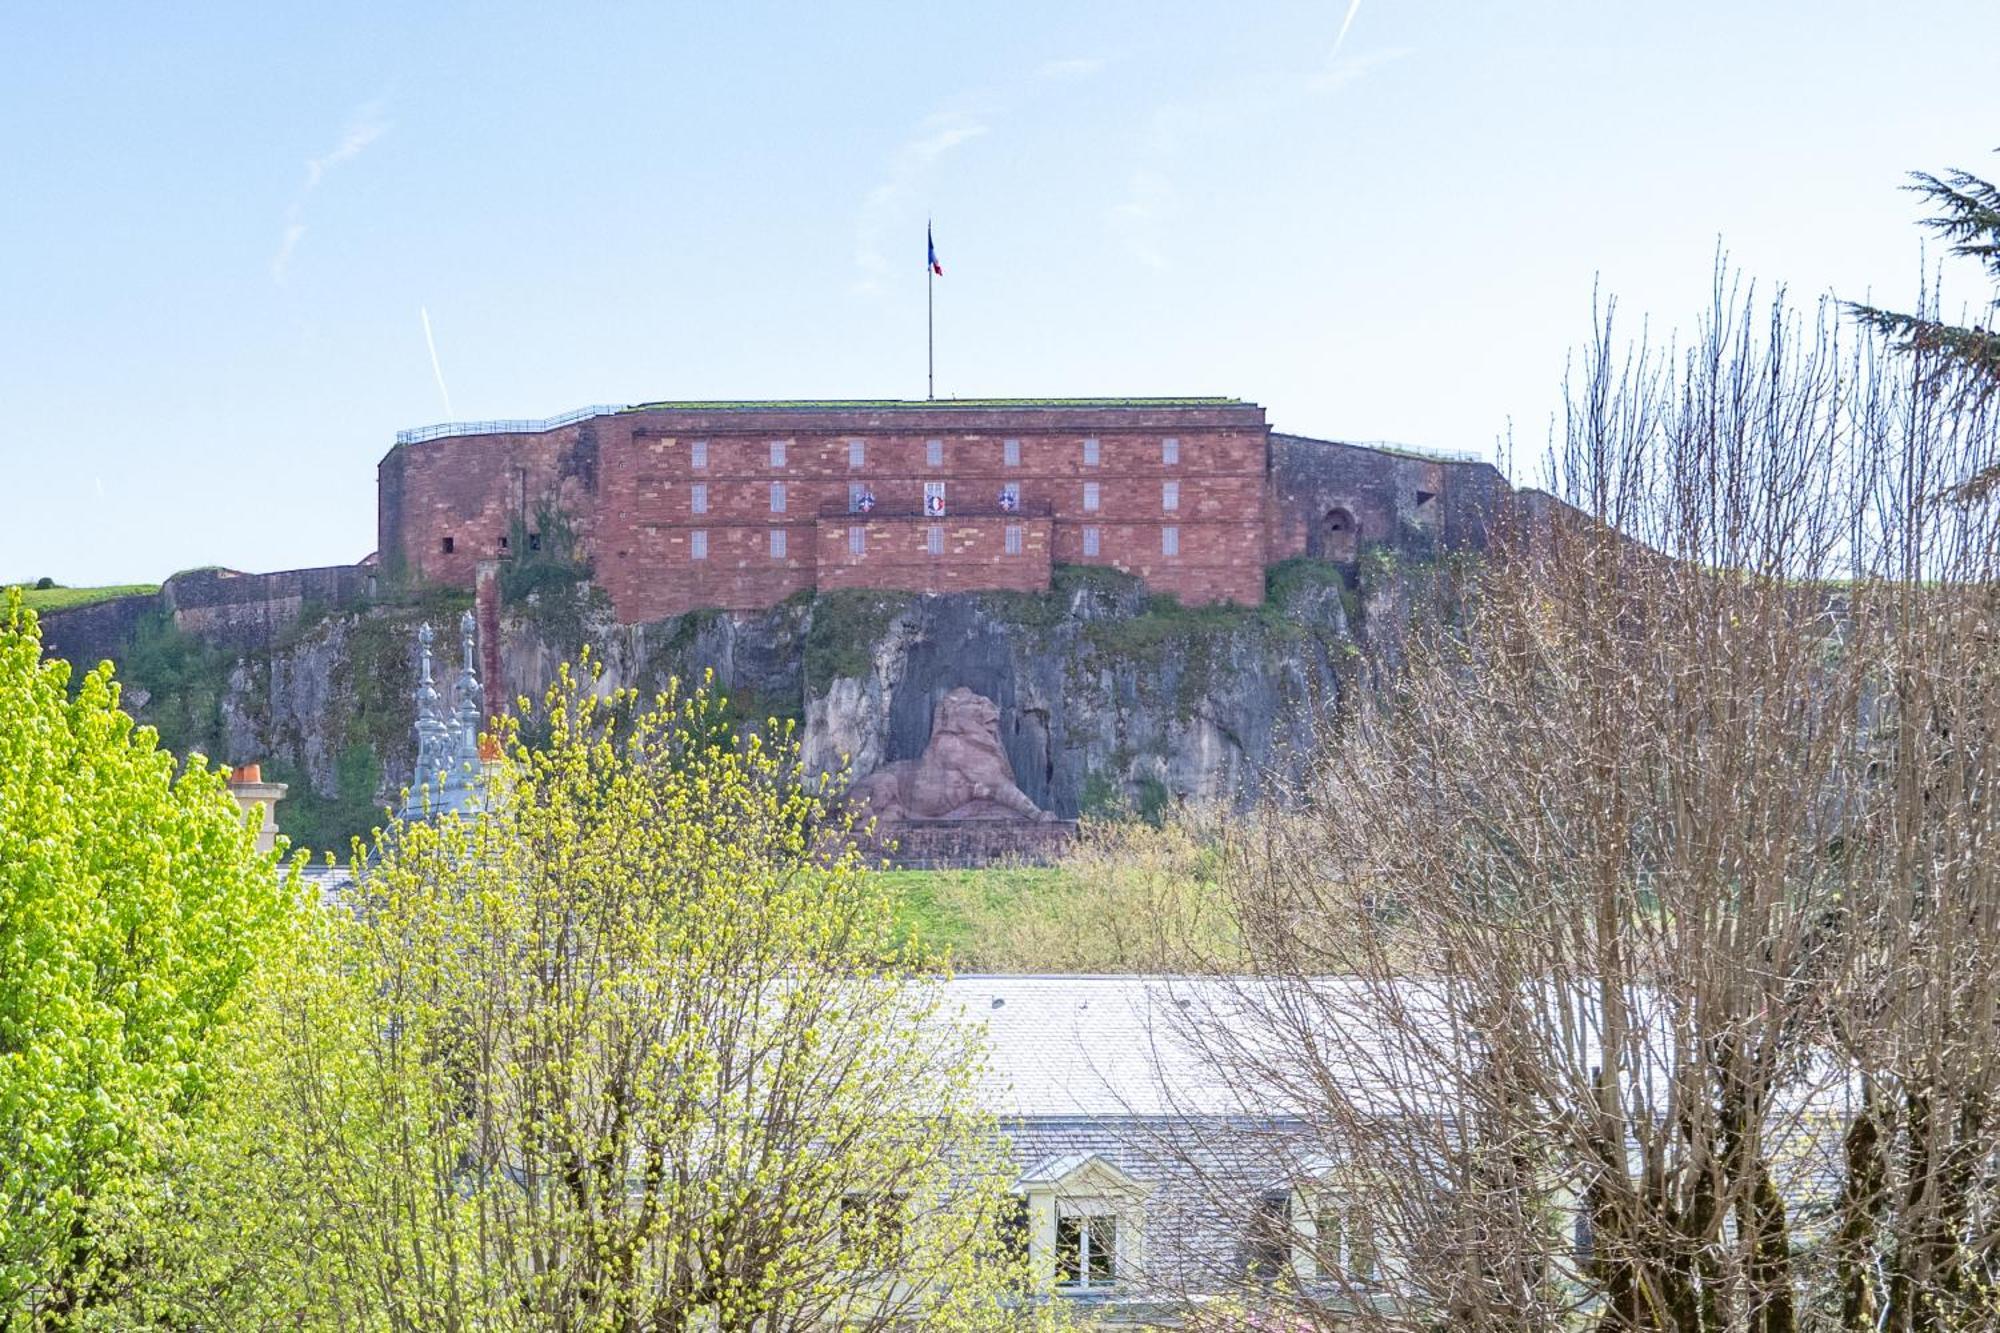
(1010, 496)
(1090, 541)
(698, 454)
(1170, 450)
(777, 543)
(1013, 539)
(1170, 495)
(445, 546)
(1090, 453)
(934, 452)
(534, 541)
(857, 541)
(1090, 496)
(777, 453)
(503, 541)
(934, 539)
(857, 453)
(1170, 540)
(698, 544)
(1010, 453)
(855, 490)
(777, 497)
(698, 497)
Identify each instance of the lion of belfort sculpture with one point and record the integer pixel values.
(963, 772)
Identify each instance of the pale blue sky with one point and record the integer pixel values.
(217, 232)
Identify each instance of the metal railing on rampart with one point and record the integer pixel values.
(418, 434)
(1418, 451)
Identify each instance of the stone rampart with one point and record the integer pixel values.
(246, 611)
(966, 844)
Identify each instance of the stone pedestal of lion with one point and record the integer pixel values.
(963, 773)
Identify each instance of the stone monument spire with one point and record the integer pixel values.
(469, 700)
(447, 737)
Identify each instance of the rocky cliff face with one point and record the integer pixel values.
(1109, 698)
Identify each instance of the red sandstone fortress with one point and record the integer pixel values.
(684, 506)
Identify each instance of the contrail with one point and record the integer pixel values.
(1353, 8)
(436, 369)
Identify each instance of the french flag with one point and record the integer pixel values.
(931, 245)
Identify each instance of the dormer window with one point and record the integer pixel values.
(871, 1228)
(1334, 1236)
(1268, 1248)
(1343, 1243)
(1086, 1250)
(1086, 1222)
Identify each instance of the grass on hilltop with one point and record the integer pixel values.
(58, 598)
(1129, 898)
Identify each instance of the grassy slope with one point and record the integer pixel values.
(62, 599)
(1128, 898)
(954, 913)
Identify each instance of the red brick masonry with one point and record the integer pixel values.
(738, 506)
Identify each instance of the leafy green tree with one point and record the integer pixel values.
(631, 1051)
(133, 906)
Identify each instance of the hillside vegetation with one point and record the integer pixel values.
(58, 598)
(1132, 897)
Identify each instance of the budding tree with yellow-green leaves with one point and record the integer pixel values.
(632, 1051)
(133, 910)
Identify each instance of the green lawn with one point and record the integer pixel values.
(964, 914)
(62, 599)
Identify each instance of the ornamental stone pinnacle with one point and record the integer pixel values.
(448, 765)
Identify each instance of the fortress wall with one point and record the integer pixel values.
(1384, 496)
(969, 844)
(245, 611)
(83, 636)
(651, 476)
(1244, 498)
(470, 488)
(895, 554)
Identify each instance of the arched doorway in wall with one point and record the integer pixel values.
(1339, 535)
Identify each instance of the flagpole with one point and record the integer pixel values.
(930, 320)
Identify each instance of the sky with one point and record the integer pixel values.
(222, 232)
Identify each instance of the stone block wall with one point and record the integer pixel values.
(246, 611)
(683, 508)
(1330, 499)
(737, 507)
(972, 843)
(894, 552)
(444, 505)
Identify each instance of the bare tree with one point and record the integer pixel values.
(1633, 956)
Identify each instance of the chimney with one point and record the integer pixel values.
(486, 604)
(253, 794)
